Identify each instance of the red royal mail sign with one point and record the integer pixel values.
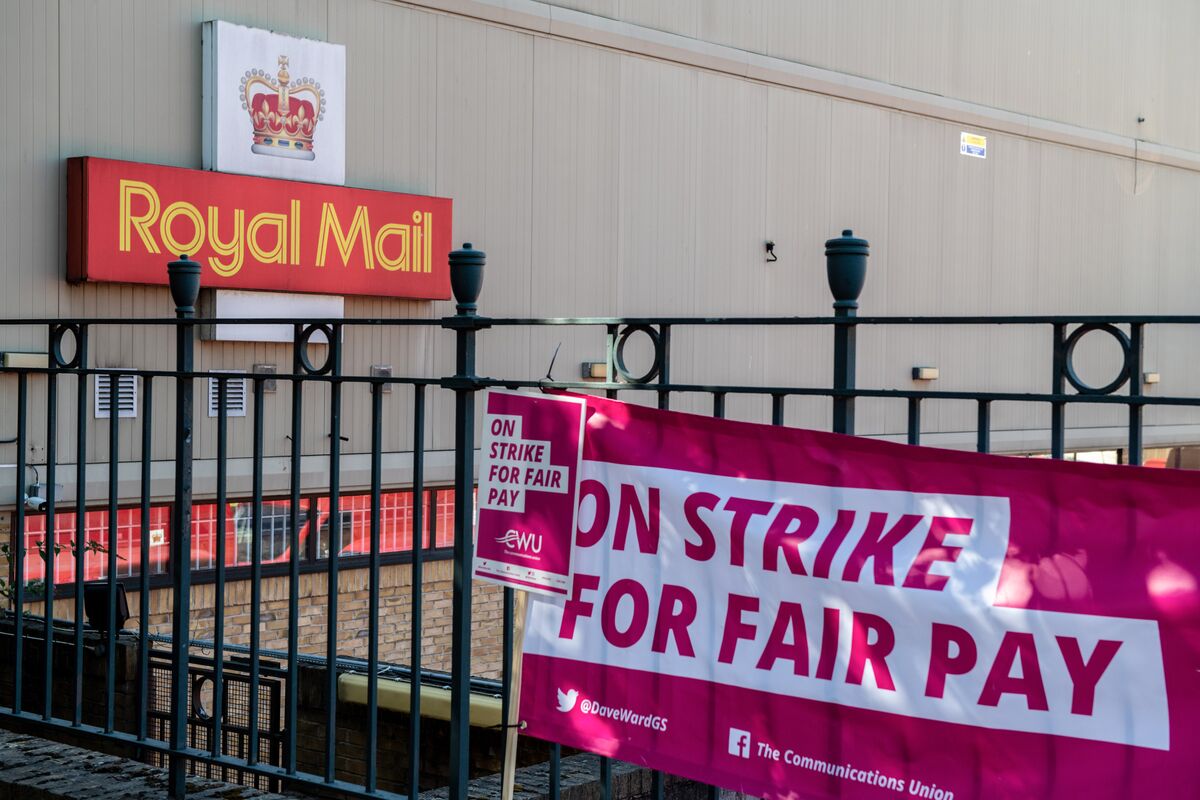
(126, 221)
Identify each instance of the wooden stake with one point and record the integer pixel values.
(514, 697)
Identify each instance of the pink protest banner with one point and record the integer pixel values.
(794, 614)
(527, 489)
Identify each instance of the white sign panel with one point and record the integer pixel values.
(235, 304)
(972, 144)
(274, 105)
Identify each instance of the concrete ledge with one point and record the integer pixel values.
(435, 702)
(37, 769)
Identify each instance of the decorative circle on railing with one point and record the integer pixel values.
(1126, 357)
(302, 349)
(202, 696)
(57, 331)
(619, 355)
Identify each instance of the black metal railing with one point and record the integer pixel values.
(222, 721)
(170, 730)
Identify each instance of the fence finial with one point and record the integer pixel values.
(466, 277)
(184, 278)
(846, 268)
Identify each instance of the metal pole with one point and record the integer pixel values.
(143, 654)
(18, 541)
(418, 545)
(466, 278)
(1058, 424)
(335, 545)
(846, 270)
(914, 420)
(1136, 347)
(184, 276)
(373, 613)
(51, 534)
(983, 437)
(293, 637)
(81, 506)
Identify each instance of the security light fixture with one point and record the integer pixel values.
(594, 370)
(382, 371)
(269, 384)
(925, 373)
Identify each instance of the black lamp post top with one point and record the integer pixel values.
(466, 276)
(184, 278)
(846, 269)
(847, 243)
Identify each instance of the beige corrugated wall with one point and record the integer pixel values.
(601, 180)
(1096, 63)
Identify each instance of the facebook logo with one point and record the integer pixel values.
(739, 743)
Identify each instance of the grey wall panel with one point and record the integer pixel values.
(659, 140)
(1095, 63)
(675, 16)
(29, 172)
(606, 182)
(575, 223)
(730, 213)
(742, 25)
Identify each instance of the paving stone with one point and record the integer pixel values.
(579, 779)
(38, 769)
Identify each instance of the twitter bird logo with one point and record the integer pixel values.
(566, 700)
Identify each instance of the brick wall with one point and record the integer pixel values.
(93, 707)
(395, 618)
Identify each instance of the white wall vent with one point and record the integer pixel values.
(235, 394)
(115, 390)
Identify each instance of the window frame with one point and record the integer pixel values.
(309, 560)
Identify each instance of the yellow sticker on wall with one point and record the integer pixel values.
(972, 144)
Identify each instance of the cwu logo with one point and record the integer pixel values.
(522, 541)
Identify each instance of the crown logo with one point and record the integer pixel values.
(285, 114)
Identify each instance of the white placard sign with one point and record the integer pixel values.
(274, 105)
(236, 304)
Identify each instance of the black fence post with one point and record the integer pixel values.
(1058, 409)
(184, 276)
(466, 278)
(1134, 362)
(846, 269)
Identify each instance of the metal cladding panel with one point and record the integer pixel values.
(658, 179)
(603, 182)
(602, 8)
(730, 231)
(506, 181)
(796, 217)
(674, 16)
(30, 173)
(1096, 63)
(574, 199)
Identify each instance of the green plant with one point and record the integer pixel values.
(8, 587)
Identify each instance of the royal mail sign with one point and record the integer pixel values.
(127, 220)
